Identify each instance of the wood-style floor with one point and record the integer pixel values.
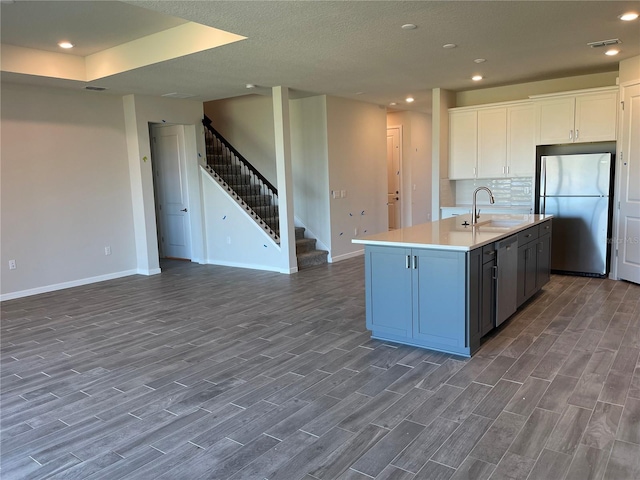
(212, 372)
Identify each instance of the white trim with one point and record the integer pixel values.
(251, 266)
(629, 83)
(346, 256)
(71, 284)
(575, 92)
(401, 189)
(152, 271)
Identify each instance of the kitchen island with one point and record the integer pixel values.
(444, 285)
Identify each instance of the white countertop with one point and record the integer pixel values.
(450, 234)
(490, 208)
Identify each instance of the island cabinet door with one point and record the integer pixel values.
(439, 312)
(388, 291)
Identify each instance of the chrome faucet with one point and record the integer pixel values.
(476, 214)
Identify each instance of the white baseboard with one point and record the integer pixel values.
(148, 272)
(64, 285)
(346, 256)
(252, 266)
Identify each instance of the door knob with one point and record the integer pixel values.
(183, 210)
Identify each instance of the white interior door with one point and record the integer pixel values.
(628, 241)
(169, 162)
(394, 198)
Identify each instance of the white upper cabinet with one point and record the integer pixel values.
(521, 141)
(492, 142)
(463, 144)
(577, 117)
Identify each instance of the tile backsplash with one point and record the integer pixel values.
(517, 191)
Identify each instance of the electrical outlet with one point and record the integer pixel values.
(355, 231)
(343, 194)
(107, 250)
(12, 265)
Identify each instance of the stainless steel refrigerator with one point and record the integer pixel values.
(575, 189)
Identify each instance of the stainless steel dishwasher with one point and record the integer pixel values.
(506, 278)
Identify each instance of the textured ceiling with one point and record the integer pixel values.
(353, 49)
(92, 26)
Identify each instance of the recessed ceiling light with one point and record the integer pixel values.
(449, 45)
(359, 93)
(65, 45)
(393, 104)
(627, 17)
(409, 99)
(250, 86)
(409, 26)
(612, 52)
(479, 60)
(476, 78)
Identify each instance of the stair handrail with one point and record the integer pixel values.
(206, 121)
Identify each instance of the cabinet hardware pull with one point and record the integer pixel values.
(577, 134)
(495, 273)
(415, 262)
(407, 264)
(570, 134)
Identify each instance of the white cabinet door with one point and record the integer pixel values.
(463, 144)
(492, 142)
(596, 116)
(588, 117)
(555, 120)
(521, 141)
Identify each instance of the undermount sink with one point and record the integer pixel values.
(499, 223)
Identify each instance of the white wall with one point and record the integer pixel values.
(630, 70)
(247, 123)
(65, 190)
(232, 237)
(75, 180)
(521, 91)
(356, 137)
(310, 164)
(421, 165)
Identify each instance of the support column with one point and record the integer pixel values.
(442, 100)
(142, 198)
(282, 131)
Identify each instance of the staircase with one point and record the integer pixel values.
(306, 252)
(254, 193)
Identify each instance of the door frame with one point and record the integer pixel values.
(620, 147)
(157, 190)
(401, 221)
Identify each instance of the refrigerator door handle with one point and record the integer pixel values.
(543, 196)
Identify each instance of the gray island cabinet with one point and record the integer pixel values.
(444, 285)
